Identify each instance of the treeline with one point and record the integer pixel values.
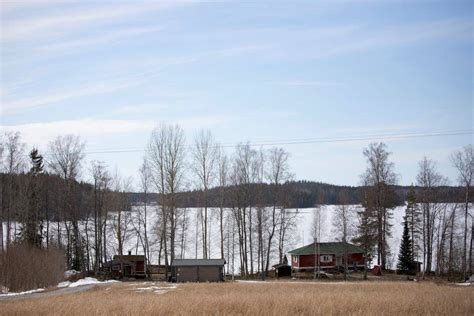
(248, 191)
(302, 194)
(307, 194)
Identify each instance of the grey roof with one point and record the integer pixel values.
(197, 262)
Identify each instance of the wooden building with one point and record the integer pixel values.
(282, 270)
(326, 256)
(197, 270)
(126, 266)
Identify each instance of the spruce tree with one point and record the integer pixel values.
(413, 219)
(405, 256)
(31, 227)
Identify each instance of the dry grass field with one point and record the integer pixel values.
(247, 298)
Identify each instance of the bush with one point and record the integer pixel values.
(23, 267)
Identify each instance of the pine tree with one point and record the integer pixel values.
(405, 257)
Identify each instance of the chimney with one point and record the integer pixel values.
(129, 252)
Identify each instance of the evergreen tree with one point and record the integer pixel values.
(366, 236)
(413, 219)
(30, 231)
(405, 257)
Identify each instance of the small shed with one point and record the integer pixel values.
(197, 270)
(282, 270)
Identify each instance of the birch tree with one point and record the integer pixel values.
(379, 177)
(429, 179)
(205, 156)
(14, 151)
(145, 179)
(223, 181)
(66, 156)
(278, 174)
(463, 161)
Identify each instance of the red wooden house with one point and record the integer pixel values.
(328, 255)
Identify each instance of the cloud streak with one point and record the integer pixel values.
(306, 83)
(99, 39)
(64, 21)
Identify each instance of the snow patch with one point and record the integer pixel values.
(22, 293)
(155, 289)
(64, 284)
(88, 280)
(70, 273)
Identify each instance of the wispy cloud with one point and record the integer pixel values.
(102, 38)
(73, 18)
(35, 102)
(90, 129)
(306, 83)
(391, 36)
(40, 134)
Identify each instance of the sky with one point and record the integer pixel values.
(335, 75)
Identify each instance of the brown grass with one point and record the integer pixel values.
(271, 298)
(24, 267)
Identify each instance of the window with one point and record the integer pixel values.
(325, 258)
(295, 259)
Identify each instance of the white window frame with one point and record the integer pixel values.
(325, 258)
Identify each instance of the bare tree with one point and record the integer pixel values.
(174, 171)
(242, 180)
(14, 151)
(66, 155)
(101, 179)
(122, 208)
(156, 157)
(205, 157)
(223, 180)
(379, 176)
(318, 229)
(145, 179)
(278, 174)
(463, 161)
(343, 226)
(166, 156)
(428, 179)
(259, 171)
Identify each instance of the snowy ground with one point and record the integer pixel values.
(85, 281)
(21, 293)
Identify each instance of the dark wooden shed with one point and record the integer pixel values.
(282, 270)
(126, 266)
(197, 270)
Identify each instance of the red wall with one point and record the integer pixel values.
(308, 260)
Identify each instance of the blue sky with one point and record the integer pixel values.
(246, 70)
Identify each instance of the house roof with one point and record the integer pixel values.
(327, 248)
(197, 262)
(279, 265)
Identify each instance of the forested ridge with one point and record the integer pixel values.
(302, 194)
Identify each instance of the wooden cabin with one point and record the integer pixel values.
(326, 256)
(126, 266)
(197, 270)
